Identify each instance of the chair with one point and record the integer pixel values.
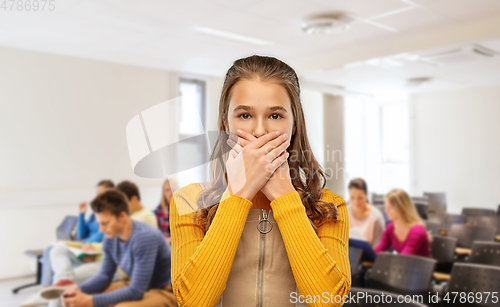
(355, 254)
(467, 234)
(63, 232)
(372, 298)
(487, 253)
(422, 205)
(471, 213)
(433, 227)
(37, 254)
(473, 278)
(491, 221)
(443, 251)
(446, 220)
(401, 274)
(378, 199)
(437, 201)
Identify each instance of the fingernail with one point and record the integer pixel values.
(285, 135)
(239, 131)
(277, 133)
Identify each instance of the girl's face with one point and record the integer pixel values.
(389, 209)
(259, 108)
(357, 198)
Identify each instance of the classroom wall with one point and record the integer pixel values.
(455, 146)
(63, 125)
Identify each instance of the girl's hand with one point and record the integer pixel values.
(250, 168)
(279, 182)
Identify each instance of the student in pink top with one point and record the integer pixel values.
(406, 234)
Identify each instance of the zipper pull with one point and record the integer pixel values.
(264, 220)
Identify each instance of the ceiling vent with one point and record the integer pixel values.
(326, 23)
(460, 55)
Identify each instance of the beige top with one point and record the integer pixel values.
(370, 229)
(145, 215)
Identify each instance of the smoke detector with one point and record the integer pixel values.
(418, 82)
(326, 23)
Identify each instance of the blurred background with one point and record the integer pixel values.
(405, 94)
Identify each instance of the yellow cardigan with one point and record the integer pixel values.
(201, 262)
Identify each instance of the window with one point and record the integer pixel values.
(193, 145)
(192, 109)
(377, 143)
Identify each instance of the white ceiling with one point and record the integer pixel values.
(160, 34)
(388, 76)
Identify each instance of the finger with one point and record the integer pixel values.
(245, 136)
(240, 140)
(276, 152)
(280, 160)
(233, 153)
(234, 145)
(261, 141)
(273, 144)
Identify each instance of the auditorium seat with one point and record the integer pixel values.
(467, 234)
(401, 274)
(443, 251)
(473, 278)
(487, 253)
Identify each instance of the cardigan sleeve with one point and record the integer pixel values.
(201, 263)
(320, 262)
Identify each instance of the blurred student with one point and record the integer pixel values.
(406, 234)
(87, 231)
(136, 250)
(67, 275)
(365, 221)
(58, 261)
(163, 209)
(137, 209)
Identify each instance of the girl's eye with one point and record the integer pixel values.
(244, 116)
(275, 116)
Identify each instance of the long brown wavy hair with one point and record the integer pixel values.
(309, 179)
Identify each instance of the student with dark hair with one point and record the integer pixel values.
(58, 262)
(89, 230)
(136, 250)
(85, 271)
(137, 209)
(365, 221)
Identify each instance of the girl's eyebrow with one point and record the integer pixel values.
(248, 108)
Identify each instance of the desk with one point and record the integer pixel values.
(37, 254)
(461, 251)
(441, 276)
